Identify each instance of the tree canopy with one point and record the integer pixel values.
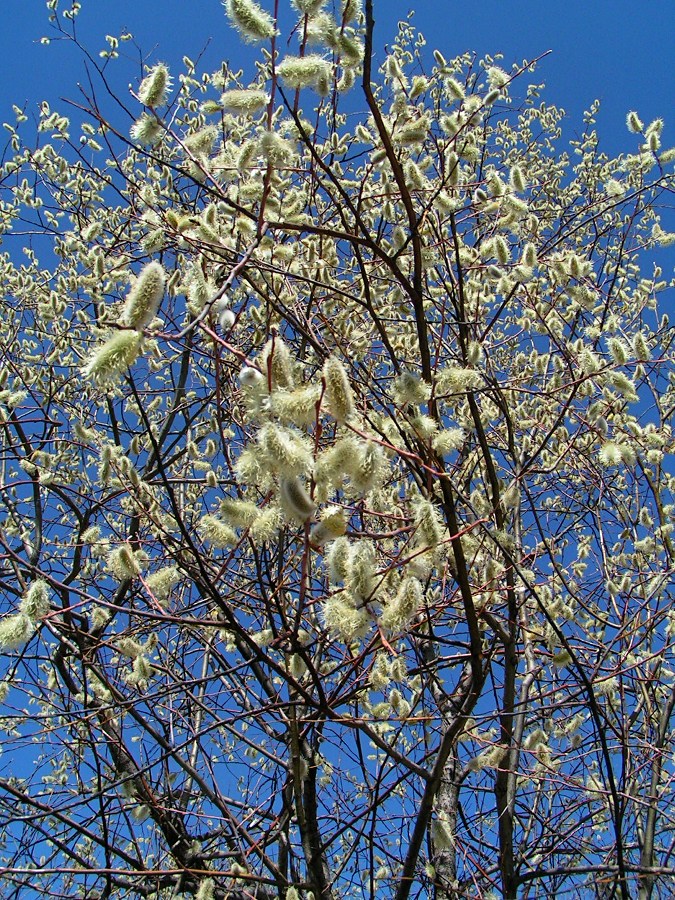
(336, 494)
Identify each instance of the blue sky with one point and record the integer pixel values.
(619, 51)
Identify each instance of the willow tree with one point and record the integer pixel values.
(336, 499)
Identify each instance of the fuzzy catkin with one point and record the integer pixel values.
(200, 143)
(244, 102)
(15, 631)
(239, 513)
(155, 87)
(401, 608)
(338, 558)
(147, 130)
(640, 347)
(123, 564)
(295, 501)
(216, 532)
(161, 583)
(308, 7)
(298, 406)
(111, 359)
(339, 397)
(226, 320)
(276, 149)
(517, 179)
(276, 362)
(35, 602)
(250, 20)
(609, 454)
(634, 123)
(206, 889)
(249, 377)
(428, 526)
(144, 297)
(529, 255)
(367, 467)
(344, 620)
(361, 576)
(333, 524)
(305, 71)
(266, 524)
(284, 451)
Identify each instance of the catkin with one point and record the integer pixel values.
(332, 525)
(112, 358)
(144, 297)
(295, 501)
(401, 608)
(15, 631)
(361, 576)
(339, 397)
(244, 102)
(339, 559)
(305, 71)
(35, 602)
(250, 20)
(155, 87)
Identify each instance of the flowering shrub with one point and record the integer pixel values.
(337, 488)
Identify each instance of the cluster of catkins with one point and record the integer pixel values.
(282, 460)
(121, 350)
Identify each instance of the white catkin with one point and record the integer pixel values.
(284, 451)
(206, 889)
(249, 377)
(344, 620)
(226, 320)
(333, 524)
(401, 608)
(276, 360)
(361, 577)
(216, 532)
(308, 7)
(147, 130)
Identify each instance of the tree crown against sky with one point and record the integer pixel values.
(337, 485)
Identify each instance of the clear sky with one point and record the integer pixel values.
(620, 51)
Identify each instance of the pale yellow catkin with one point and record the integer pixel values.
(144, 297)
(295, 501)
(339, 396)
